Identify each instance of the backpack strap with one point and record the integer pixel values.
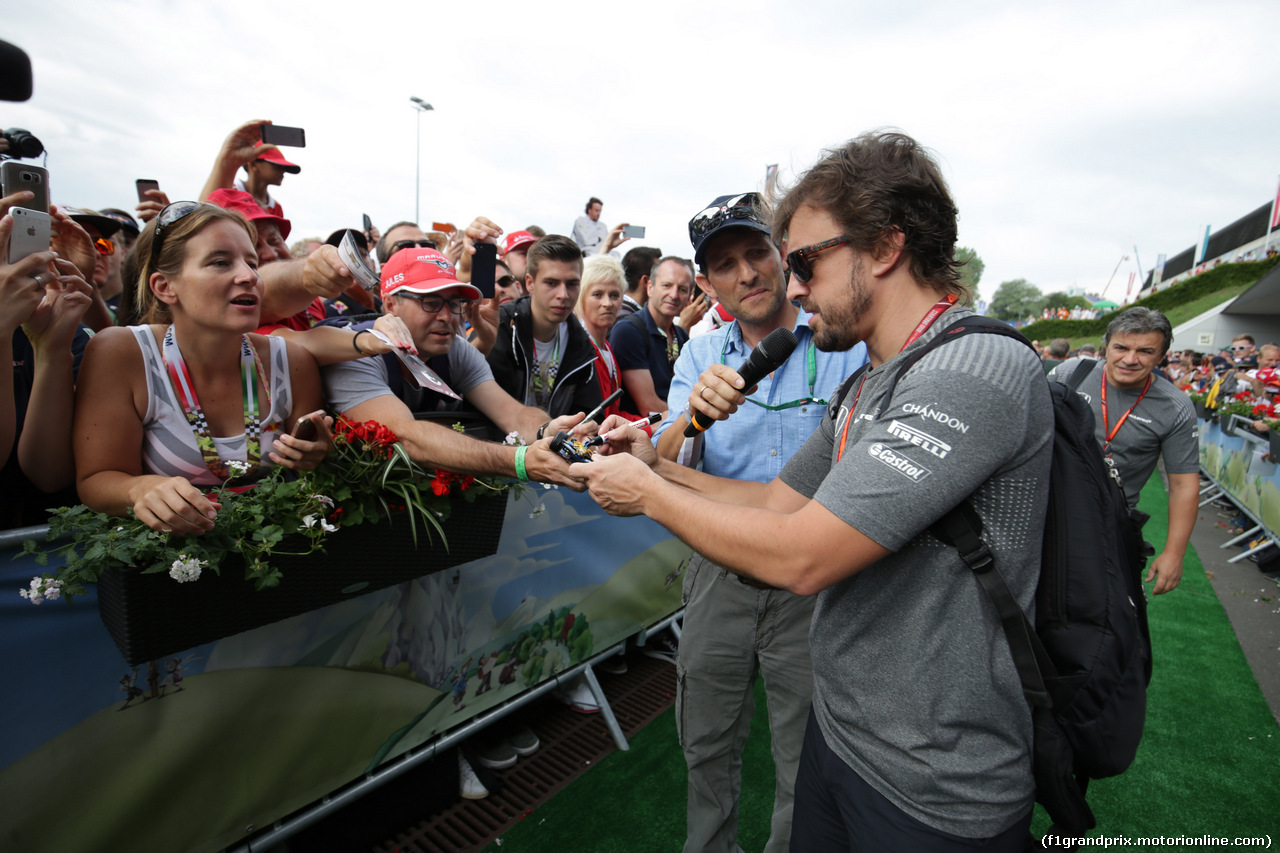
(1083, 369)
(959, 528)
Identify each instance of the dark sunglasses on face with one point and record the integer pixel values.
(506, 281)
(409, 244)
(433, 304)
(800, 262)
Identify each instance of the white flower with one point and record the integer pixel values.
(186, 569)
(238, 469)
(41, 589)
(513, 437)
(538, 510)
(310, 521)
(324, 501)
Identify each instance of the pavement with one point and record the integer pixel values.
(1250, 598)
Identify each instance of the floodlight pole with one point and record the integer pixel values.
(421, 107)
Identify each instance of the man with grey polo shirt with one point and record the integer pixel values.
(734, 628)
(919, 736)
(419, 287)
(1139, 416)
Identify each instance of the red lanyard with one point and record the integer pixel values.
(1106, 424)
(925, 322)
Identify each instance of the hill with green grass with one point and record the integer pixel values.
(1180, 303)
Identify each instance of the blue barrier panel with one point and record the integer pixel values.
(204, 747)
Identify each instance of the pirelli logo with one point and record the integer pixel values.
(920, 439)
(898, 462)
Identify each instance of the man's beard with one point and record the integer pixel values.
(838, 323)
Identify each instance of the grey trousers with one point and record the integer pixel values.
(732, 632)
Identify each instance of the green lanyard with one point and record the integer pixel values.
(811, 363)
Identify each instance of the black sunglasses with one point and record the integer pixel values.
(172, 213)
(745, 206)
(799, 262)
(506, 281)
(409, 244)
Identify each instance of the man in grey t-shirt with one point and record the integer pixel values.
(1138, 416)
(919, 737)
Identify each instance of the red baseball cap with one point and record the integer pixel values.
(1268, 377)
(422, 270)
(272, 154)
(515, 240)
(243, 203)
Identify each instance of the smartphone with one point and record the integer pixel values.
(143, 185)
(635, 231)
(30, 233)
(305, 429)
(368, 224)
(16, 176)
(444, 227)
(279, 134)
(484, 268)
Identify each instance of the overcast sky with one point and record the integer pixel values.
(1068, 132)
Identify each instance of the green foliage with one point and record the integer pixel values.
(1058, 299)
(1016, 299)
(971, 269)
(1222, 277)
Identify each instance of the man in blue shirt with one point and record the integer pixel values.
(735, 628)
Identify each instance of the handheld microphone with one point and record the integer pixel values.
(767, 357)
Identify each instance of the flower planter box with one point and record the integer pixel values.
(1202, 412)
(151, 616)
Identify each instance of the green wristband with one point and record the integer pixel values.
(521, 474)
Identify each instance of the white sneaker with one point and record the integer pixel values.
(578, 696)
(469, 785)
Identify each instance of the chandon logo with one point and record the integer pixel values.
(914, 436)
(898, 462)
(934, 415)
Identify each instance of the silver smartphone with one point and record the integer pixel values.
(16, 176)
(30, 233)
(634, 231)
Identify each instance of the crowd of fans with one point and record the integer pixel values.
(173, 273)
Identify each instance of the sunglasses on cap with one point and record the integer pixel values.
(172, 213)
(745, 206)
(409, 244)
(104, 246)
(799, 262)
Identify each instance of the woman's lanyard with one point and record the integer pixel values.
(1106, 424)
(925, 322)
(250, 372)
(811, 365)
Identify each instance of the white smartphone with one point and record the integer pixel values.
(633, 231)
(30, 233)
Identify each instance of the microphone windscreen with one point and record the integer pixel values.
(15, 73)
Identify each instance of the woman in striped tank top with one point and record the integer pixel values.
(191, 398)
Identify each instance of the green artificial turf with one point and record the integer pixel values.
(1209, 763)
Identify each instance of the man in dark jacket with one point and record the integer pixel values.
(542, 356)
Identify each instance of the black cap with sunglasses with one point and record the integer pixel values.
(744, 210)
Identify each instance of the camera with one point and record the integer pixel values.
(571, 449)
(22, 144)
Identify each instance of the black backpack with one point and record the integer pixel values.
(1086, 663)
